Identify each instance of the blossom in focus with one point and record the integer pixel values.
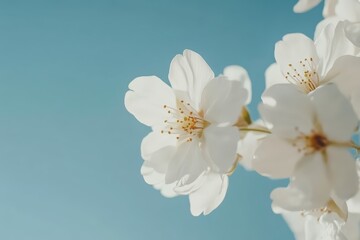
(193, 143)
(308, 64)
(309, 144)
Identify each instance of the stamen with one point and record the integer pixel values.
(305, 78)
(184, 122)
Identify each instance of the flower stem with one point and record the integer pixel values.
(349, 144)
(353, 145)
(251, 129)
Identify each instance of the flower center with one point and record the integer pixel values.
(184, 122)
(306, 78)
(311, 143)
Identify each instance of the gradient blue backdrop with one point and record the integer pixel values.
(69, 151)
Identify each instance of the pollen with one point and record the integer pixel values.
(184, 122)
(305, 77)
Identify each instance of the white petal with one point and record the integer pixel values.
(190, 73)
(146, 99)
(329, 8)
(334, 113)
(352, 32)
(274, 76)
(328, 227)
(221, 143)
(351, 229)
(287, 109)
(345, 74)
(348, 10)
(291, 50)
(187, 164)
(323, 23)
(343, 173)
(157, 180)
(275, 157)
(222, 100)
(210, 195)
(160, 159)
(333, 43)
(154, 141)
(305, 5)
(238, 73)
(309, 189)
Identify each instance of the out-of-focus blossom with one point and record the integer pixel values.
(311, 135)
(332, 222)
(342, 9)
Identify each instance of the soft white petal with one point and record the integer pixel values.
(274, 76)
(210, 195)
(343, 173)
(327, 227)
(352, 32)
(305, 5)
(238, 73)
(190, 73)
(275, 157)
(182, 188)
(323, 23)
(157, 180)
(332, 43)
(309, 188)
(334, 113)
(352, 227)
(187, 164)
(220, 143)
(293, 51)
(345, 74)
(154, 141)
(222, 100)
(146, 99)
(329, 8)
(287, 109)
(348, 10)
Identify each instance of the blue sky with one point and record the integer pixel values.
(69, 151)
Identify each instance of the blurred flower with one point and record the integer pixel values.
(309, 144)
(194, 140)
(343, 9)
(334, 221)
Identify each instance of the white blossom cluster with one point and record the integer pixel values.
(310, 112)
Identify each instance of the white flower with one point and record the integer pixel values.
(309, 144)
(343, 9)
(308, 64)
(193, 144)
(337, 220)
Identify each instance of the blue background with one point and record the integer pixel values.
(69, 151)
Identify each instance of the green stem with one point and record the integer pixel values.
(261, 130)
